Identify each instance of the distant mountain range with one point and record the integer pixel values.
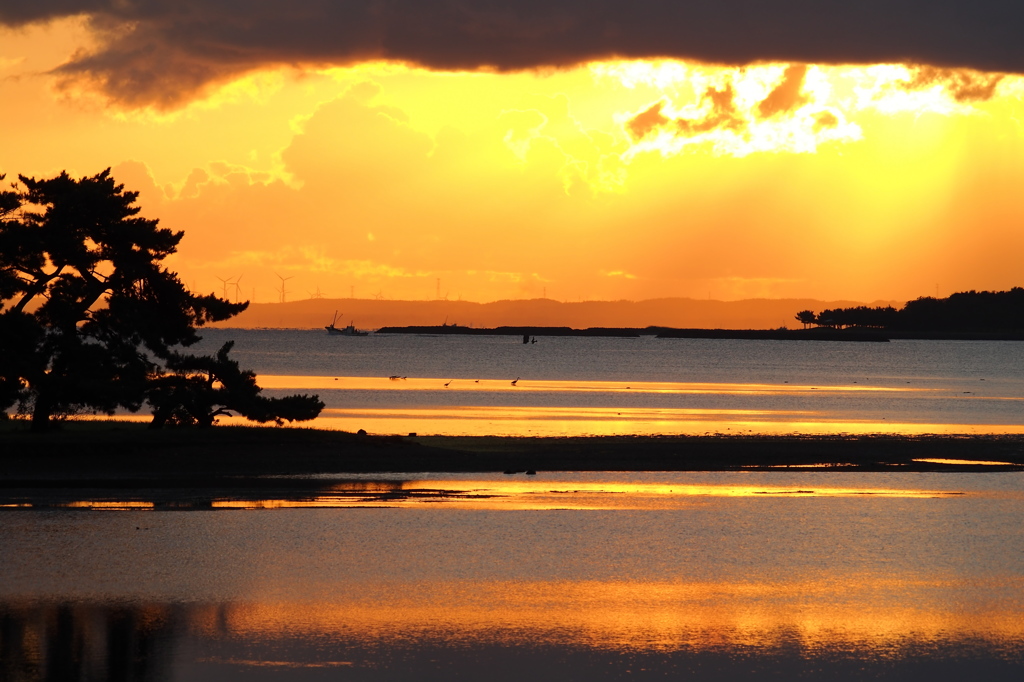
(757, 313)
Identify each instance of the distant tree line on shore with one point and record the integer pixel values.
(92, 322)
(967, 311)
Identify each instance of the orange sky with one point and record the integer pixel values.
(608, 180)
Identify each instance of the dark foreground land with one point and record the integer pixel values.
(119, 449)
(123, 463)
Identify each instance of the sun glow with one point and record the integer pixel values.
(688, 179)
(783, 107)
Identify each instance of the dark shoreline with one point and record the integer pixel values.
(106, 465)
(815, 334)
(121, 450)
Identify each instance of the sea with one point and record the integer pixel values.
(568, 386)
(802, 574)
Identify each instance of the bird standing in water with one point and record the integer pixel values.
(514, 382)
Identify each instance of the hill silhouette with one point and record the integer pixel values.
(663, 312)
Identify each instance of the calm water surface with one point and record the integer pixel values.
(462, 385)
(720, 576)
(779, 575)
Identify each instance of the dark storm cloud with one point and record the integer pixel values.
(166, 50)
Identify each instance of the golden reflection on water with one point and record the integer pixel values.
(804, 413)
(516, 493)
(941, 460)
(867, 613)
(109, 505)
(581, 420)
(374, 629)
(588, 421)
(519, 494)
(476, 420)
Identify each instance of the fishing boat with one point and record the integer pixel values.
(350, 330)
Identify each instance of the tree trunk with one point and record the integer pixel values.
(41, 412)
(159, 418)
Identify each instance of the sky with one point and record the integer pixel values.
(600, 150)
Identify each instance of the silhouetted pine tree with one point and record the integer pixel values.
(87, 310)
(968, 311)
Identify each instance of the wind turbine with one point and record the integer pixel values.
(224, 286)
(282, 290)
(238, 289)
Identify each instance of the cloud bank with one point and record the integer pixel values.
(165, 51)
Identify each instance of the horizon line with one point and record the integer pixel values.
(579, 302)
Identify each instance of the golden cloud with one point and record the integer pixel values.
(963, 85)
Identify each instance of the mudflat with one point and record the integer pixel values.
(90, 450)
